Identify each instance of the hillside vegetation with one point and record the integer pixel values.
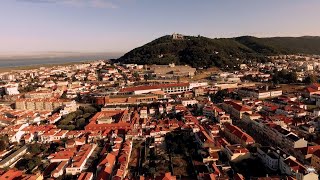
(224, 52)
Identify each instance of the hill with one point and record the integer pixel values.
(221, 52)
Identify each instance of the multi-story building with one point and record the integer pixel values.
(236, 109)
(40, 104)
(236, 135)
(275, 134)
(236, 152)
(260, 93)
(12, 89)
(271, 157)
(167, 88)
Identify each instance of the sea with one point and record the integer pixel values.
(17, 62)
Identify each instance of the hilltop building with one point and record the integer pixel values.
(176, 36)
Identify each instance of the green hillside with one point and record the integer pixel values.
(224, 52)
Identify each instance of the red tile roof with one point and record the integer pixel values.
(316, 153)
(85, 176)
(295, 165)
(239, 133)
(237, 106)
(11, 175)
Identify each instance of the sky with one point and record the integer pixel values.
(31, 26)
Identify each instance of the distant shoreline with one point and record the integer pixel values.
(36, 66)
(27, 63)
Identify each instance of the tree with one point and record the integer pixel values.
(125, 77)
(179, 79)
(135, 74)
(3, 145)
(311, 79)
(31, 164)
(2, 92)
(21, 164)
(220, 96)
(292, 77)
(88, 109)
(283, 77)
(64, 95)
(86, 115)
(80, 123)
(79, 97)
(67, 127)
(71, 127)
(34, 148)
(152, 170)
(78, 112)
(146, 77)
(53, 147)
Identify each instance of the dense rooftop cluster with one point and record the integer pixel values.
(100, 120)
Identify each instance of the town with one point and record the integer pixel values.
(112, 121)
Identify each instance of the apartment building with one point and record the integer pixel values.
(236, 152)
(260, 93)
(271, 156)
(235, 134)
(42, 104)
(275, 134)
(235, 108)
(167, 88)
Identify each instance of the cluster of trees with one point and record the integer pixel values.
(2, 92)
(33, 158)
(28, 162)
(182, 146)
(180, 143)
(195, 109)
(225, 53)
(60, 75)
(311, 79)
(28, 88)
(36, 148)
(284, 77)
(77, 119)
(282, 45)
(148, 76)
(223, 94)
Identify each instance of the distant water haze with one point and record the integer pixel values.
(28, 59)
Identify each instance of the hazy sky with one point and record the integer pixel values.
(120, 25)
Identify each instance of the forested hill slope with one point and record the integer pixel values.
(221, 52)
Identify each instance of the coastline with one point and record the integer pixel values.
(26, 62)
(36, 66)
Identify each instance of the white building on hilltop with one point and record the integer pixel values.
(177, 36)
